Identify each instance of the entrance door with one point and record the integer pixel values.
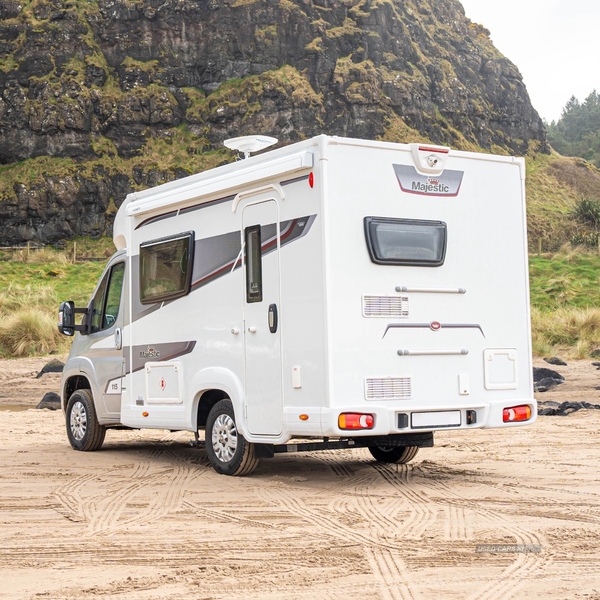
(106, 340)
(262, 328)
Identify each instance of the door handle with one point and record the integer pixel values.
(252, 329)
(273, 318)
(118, 339)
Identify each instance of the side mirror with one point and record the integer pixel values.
(66, 318)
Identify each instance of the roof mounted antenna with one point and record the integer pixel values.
(250, 143)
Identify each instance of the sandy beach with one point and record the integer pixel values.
(483, 515)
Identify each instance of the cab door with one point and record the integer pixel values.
(106, 341)
(262, 315)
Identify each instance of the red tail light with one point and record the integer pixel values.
(516, 413)
(356, 421)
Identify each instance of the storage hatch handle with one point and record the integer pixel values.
(273, 318)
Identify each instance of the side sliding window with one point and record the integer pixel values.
(254, 287)
(166, 268)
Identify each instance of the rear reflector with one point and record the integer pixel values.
(516, 413)
(355, 421)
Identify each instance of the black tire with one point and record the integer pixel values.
(393, 454)
(228, 452)
(83, 430)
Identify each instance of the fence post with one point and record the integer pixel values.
(27, 250)
(74, 252)
(539, 246)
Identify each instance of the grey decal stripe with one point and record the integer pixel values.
(156, 353)
(219, 255)
(168, 215)
(429, 326)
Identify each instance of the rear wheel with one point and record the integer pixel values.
(393, 454)
(228, 452)
(83, 430)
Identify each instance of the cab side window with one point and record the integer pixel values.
(104, 307)
(113, 295)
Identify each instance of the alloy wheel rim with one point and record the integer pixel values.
(224, 438)
(78, 421)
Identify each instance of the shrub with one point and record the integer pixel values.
(30, 332)
(574, 332)
(587, 212)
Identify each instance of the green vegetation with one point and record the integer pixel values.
(556, 188)
(565, 281)
(33, 285)
(565, 300)
(577, 132)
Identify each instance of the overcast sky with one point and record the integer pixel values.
(554, 43)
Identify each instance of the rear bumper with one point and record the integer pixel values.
(411, 418)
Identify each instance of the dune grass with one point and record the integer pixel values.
(31, 289)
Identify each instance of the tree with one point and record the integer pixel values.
(577, 132)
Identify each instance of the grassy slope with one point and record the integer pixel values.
(554, 184)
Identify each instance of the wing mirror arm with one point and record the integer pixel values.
(66, 319)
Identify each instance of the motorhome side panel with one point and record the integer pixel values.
(209, 338)
(171, 342)
(457, 337)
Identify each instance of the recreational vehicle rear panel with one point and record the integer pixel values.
(360, 293)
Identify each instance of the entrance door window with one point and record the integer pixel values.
(254, 286)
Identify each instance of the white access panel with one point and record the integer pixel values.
(500, 368)
(163, 383)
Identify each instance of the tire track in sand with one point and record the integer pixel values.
(390, 571)
(169, 485)
(514, 577)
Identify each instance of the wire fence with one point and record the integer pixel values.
(24, 251)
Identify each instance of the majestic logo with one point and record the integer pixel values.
(151, 352)
(163, 384)
(412, 182)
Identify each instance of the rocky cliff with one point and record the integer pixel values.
(100, 97)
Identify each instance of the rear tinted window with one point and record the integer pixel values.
(406, 241)
(165, 268)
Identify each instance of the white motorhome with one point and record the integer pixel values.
(333, 293)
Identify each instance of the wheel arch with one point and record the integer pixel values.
(206, 401)
(210, 385)
(72, 384)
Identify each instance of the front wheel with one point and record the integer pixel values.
(83, 430)
(393, 454)
(228, 452)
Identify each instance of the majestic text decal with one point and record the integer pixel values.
(150, 353)
(412, 182)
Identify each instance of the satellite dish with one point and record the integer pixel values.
(250, 143)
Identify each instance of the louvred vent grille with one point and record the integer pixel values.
(388, 388)
(385, 306)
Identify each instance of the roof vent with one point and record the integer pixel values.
(250, 143)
